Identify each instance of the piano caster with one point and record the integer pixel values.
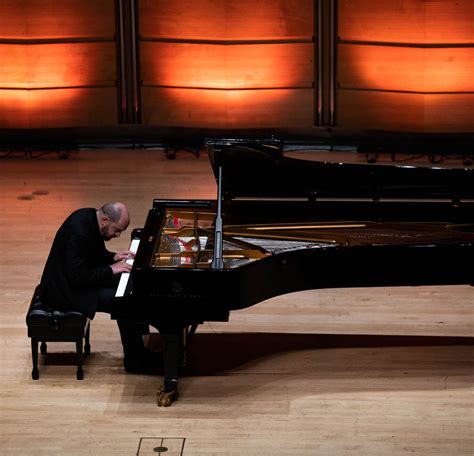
(165, 399)
(166, 396)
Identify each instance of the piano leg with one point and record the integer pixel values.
(171, 356)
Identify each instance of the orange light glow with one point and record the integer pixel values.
(22, 108)
(228, 108)
(436, 79)
(236, 63)
(57, 108)
(45, 85)
(48, 84)
(57, 65)
(408, 69)
(236, 81)
(228, 67)
(38, 83)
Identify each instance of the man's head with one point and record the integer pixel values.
(113, 218)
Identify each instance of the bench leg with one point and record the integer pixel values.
(43, 347)
(34, 355)
(80, 372)
(87, 346)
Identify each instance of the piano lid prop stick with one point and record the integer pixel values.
(218, 261)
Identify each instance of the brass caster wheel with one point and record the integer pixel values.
(166, 398)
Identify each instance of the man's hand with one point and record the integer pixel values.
(124, 256)
(121, 266)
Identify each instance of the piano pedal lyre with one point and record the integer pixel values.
(187, 335)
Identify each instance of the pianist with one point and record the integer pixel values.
(81, 274)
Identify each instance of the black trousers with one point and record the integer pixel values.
(130, 332)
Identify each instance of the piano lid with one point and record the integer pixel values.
(260, 169)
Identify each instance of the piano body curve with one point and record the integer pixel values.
(283, 224)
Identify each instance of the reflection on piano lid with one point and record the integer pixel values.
(261, 169)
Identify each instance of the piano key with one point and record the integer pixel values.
(126, 275)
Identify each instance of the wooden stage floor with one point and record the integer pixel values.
(308, 373)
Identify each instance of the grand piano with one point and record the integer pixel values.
(285, 221)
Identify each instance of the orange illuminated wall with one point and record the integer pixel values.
(227, 63)
(58, 63)
(400, 64)
(406, 65)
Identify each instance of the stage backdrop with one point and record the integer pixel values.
(400, 65)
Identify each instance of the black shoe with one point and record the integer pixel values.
(146, 362)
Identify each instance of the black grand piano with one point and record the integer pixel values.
(285, 221)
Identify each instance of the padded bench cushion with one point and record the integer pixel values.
(45, 322)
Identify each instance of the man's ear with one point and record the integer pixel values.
(104, 220)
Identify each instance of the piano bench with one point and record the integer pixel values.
(46, 325)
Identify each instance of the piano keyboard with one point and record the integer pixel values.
(126, 275)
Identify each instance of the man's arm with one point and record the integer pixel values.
(78, 271)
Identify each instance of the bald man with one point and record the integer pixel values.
(81, 274)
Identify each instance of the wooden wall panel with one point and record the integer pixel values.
(406, 68)
(405, 111)
(230, 46)
(57, 65)
(54, 45)
(451, 113)
(217, 66)
(15, 68)
(379, 110)
(228, 108)
(56, 18)
(56, 108)
(226, 19)
(407, 21)
(14, 109)
(423, 47)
